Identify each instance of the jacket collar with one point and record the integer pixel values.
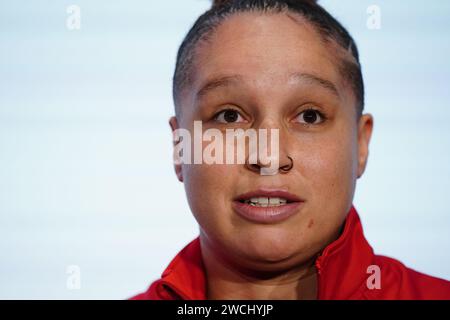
(185, 277)
(342, 267)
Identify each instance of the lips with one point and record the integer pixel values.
(267, 205)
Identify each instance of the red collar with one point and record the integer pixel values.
(342, 267)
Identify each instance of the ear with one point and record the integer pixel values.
(365, 126)
(174, 126)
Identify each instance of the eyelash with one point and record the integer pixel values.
(216, 115)
(322, 115)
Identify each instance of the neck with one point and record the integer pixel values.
(226, 280)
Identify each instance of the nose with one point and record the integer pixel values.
(285, 165)
(279, 161)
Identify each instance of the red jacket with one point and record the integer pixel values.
(344, 271)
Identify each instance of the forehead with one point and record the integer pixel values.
(265, 49)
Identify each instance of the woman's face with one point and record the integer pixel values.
(276, 73)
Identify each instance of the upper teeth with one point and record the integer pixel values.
(266, 201)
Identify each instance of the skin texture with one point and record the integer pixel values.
(251, 260)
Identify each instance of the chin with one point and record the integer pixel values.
(269, 248)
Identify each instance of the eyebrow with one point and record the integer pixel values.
(326, 84)
(224, 81)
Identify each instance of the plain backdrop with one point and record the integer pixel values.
(86, 175)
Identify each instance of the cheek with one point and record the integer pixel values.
(327, 169)
(208, 189)
(328, 165)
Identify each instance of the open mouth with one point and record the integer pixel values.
(267, 205)
(266, 201)
(267, 198)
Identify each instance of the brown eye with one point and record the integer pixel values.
(310, 116)
(229, 116)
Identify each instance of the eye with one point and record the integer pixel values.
(310, 116)
(228, 116)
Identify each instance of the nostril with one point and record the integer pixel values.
(253, 167)
(287, 167)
